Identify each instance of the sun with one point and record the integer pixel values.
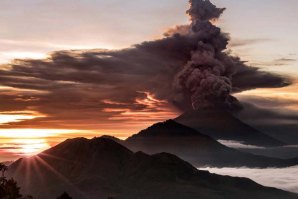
(30, 142)
(30, 147)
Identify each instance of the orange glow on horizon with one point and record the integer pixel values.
(17, 143)
(29, 147)
(156, 110)
(289, 93)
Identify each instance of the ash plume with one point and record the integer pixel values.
(206, 79)
(187, 68)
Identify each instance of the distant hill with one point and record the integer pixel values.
(221, 124)
(196, 148)
(7, 163)
(101, 168)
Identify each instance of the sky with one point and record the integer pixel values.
(40, 110)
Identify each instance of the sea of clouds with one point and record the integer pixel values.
(281, 178)
(283, 152)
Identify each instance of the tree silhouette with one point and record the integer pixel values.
(9, 189)
(3, 169)
(64, 196)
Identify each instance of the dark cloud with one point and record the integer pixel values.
(72, 88)
(286, 60)
(272, 117)
(249, 78)
(269, 102)
(266, 115)
(203, 10)
(245, 42)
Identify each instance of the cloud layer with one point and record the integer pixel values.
(100, 88)
(285, 178)
(238, 145)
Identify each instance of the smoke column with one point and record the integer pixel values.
(206, 78)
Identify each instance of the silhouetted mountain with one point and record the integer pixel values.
(222, 125)
(196, 148)
(101, 168)
(7, 163)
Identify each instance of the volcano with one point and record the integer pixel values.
(196, 148)
(101, 168)
(221, 124)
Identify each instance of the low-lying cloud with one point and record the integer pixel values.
(272, 116)
(238, 145)
(284, 178)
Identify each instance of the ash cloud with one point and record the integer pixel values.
(245, 42)
(188, 68)
(207, 78)
(271, 117)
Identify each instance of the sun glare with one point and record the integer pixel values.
(29, 142)
(29, 147)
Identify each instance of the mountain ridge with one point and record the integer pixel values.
(101, 168)
(221, 124)
(196, 148)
